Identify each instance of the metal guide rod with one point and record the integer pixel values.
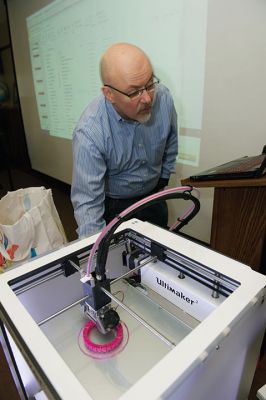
(86, 297)
(37, 283)
(74, 265)
(144, 262)
(63, 310)
(138, 318)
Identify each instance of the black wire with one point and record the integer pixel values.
(103, 248)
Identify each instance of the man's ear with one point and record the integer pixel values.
(108, 93)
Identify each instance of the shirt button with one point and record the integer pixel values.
(143, 162)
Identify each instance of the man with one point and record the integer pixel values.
(125, 143)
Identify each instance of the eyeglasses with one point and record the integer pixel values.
(150, 87)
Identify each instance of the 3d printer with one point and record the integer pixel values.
(192, 319)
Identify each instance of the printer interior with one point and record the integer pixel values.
(162, 295)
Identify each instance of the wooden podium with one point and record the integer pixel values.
(239, 219)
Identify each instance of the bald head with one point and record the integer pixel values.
(122, 61)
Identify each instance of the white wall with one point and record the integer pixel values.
(234, 119)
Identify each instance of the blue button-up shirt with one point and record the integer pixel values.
(120, 158)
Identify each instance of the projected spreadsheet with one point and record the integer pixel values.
(67, 39)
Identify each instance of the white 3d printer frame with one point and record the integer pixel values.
(217, 358)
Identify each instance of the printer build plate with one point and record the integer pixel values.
(110, 377)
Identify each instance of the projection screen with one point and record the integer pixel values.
(57, 47)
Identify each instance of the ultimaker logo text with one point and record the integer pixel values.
(174, 291)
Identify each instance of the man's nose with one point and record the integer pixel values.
(146, 97)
